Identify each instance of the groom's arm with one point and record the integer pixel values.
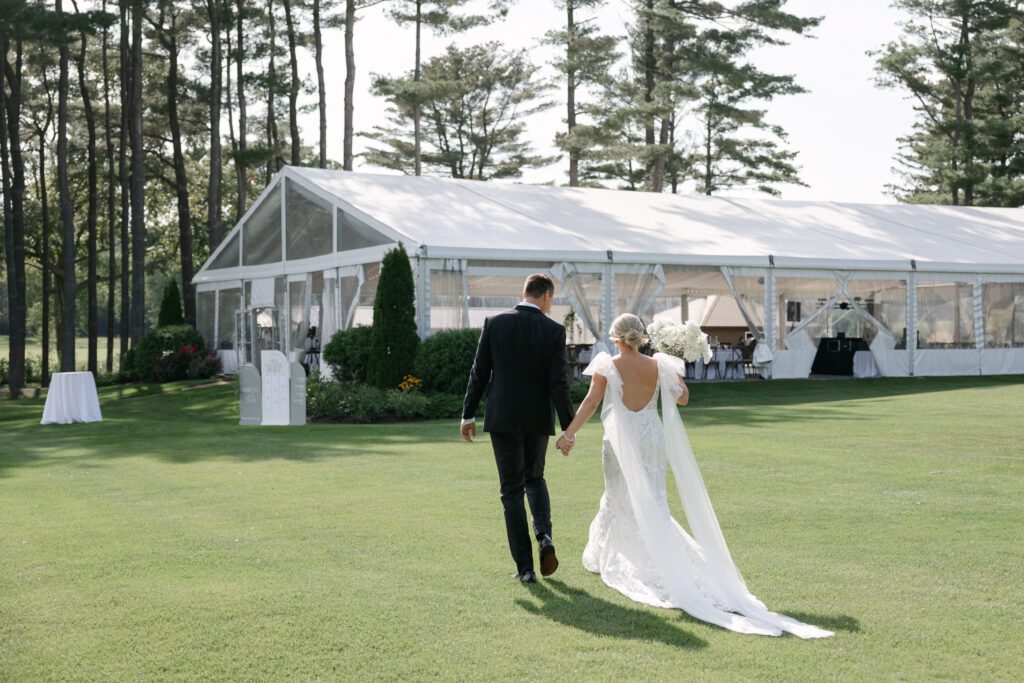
(558, 381)
(479, 374)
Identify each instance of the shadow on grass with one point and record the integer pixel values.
(830, 622)
(579, 609)
(184, 426)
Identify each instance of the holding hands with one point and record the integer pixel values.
(565, 443)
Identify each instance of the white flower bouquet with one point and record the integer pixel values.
(682, 340)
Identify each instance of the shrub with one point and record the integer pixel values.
(446, 406)
(33, 370)
(205, 363)
(170, 306)
(354, 402)
(165, 354)
(408, 405)
(579, 390)
(346, 401)
(444, 360)
(348, 353)
(128, 368)
(394, 340)
(325, 400)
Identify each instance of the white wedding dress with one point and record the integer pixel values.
(635, 544)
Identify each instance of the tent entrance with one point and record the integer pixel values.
(257, 329)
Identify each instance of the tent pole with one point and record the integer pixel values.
(770, 312)
(912, 317)
(979, 319)
(422, 293)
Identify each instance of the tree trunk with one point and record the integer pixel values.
(67, 340)
(968, 120)
(17, 303)
(350, 82)
(649, 68)
(293, 90)
(45, 229)
(5, 171)
(122, 172)
(708, 170)
(90, 124)
(415, 96)
(180, 180)
(570, 99)
(111, 203)
(241, 162)
(318, 56)
(138, 305)
(271, 78)
(213, 191)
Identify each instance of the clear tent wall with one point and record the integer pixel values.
(304, 258)
(913, 322)
(293, 271)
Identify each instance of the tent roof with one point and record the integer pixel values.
(471, 218)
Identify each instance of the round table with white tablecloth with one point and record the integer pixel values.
(71, 398)
(717, 368)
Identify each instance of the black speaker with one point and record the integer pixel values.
(792, 311)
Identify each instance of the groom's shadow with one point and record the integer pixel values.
(577, 608)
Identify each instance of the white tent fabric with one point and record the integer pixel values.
(447, 216)
(615, 250)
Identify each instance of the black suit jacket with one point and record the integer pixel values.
(520, 362)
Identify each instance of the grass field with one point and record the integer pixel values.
(34, 350)
(169, 543)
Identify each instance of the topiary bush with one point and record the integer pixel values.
(165, 354)
(170, 306)
(394, 340)
(348, 353)
(444, 360)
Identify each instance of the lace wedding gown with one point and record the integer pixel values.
(635, 544)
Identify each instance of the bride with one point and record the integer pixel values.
(635, 544)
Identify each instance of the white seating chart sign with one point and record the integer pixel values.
(276, 399)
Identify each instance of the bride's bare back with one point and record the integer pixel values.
(639, 375)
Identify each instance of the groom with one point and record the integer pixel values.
(520, 362)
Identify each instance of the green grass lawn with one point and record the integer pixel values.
(34, 350)
(169, 543)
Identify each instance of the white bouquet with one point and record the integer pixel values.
(683, 340)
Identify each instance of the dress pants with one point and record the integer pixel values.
(520, 460)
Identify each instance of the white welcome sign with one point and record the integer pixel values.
(276, 398)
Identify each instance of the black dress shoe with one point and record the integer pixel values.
(527, 576)
(548, 560)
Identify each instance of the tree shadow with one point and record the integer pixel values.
(576, 608)
(830, 622)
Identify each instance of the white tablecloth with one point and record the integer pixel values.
(864, 364)
(71, 398)
(718, 358)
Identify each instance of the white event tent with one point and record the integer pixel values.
(935, 290)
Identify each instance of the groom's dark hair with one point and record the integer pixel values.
(537, 285)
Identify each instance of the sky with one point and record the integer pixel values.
(844, 129)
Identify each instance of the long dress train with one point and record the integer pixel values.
(635, 544)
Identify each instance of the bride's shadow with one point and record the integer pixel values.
(576, 608)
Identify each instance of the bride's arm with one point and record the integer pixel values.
(588, 407)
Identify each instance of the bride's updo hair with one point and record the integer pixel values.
(629, 330)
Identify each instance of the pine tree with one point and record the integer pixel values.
(587, 60)
(960, 62)
(394, 341)
(474, 101)
(170, 306)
